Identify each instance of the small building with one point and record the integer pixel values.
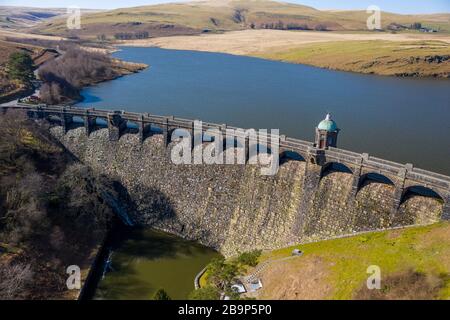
(297, 252)
(326, 133)
(238, 287)
(254, 285)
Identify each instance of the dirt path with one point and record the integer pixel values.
(260, 41)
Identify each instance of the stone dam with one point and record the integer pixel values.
(316, 194)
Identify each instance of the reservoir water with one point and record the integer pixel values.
(145, 260)
(399, 119)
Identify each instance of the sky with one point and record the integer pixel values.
(398, 6)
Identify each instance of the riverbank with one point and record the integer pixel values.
(79, 67)
(120, 68)
(403, 54)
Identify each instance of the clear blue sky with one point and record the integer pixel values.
(399, 6)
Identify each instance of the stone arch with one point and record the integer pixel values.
(330, 167)
(231, 143)
(420, 191)
(101, 122)
(55, 118)
(77, 122)
(373, 202)
(261, 149)
(180, 131)
(207, 138)
(78, 119)
(419, 205)
(132, 126)
(290, 155)
(374, 177)
(155, 129)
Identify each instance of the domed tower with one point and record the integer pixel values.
(326, 133)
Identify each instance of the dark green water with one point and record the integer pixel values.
(145, 260)
(403, 120)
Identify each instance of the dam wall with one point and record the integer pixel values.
(317, 193)
(232, 207)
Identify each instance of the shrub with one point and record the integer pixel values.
(64, 77)
(205, 293)
(407, 285)
(249, 258)
(14, 279)
(129, 35)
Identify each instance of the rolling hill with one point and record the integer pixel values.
(17, 17)
(225, 15)
(22, 17)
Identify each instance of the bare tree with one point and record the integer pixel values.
(13, 280)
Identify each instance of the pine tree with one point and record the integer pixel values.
(20, 66)
(161, 294)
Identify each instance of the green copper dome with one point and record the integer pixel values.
(327, 124)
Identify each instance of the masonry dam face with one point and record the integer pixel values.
(233, 208)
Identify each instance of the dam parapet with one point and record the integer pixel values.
(318, 193)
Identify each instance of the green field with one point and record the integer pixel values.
(342, 264)
(419, 58)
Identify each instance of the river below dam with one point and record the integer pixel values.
(143, 260)
(400, 119)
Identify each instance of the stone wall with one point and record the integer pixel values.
(232, 207)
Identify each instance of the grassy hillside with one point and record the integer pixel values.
(195, 17)
(419, 58)
(414, 263)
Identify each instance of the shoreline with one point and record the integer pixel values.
(138, 67)
(405, 55)
(123, 68)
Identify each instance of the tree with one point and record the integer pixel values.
(20, 66)
(249, 258)
(221, 274)
(416, 25)
(279, 25)
(205, 293)
(101, 37)
(320, 27)
(161, 294)
(14, 279)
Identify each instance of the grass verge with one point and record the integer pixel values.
(337, 269)
(400, 58)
